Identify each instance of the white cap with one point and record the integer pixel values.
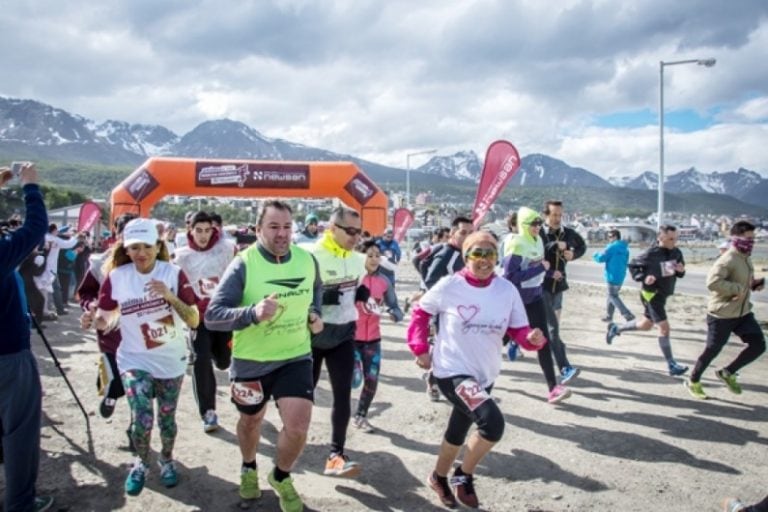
(140, 231)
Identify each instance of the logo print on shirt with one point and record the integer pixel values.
(467, 313)
(291, 283)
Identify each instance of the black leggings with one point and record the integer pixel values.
(487, 416)
(718, 332)
(758, 507)
(340, 361)
(209, 347)
(537, 317)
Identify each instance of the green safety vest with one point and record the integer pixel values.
(286, 336)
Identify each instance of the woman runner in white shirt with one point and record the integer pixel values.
(476, 308)
(154, 305)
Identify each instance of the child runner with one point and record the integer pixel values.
(368, 334)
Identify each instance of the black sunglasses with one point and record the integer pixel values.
(349, 230)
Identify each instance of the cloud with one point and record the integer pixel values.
(381, 79)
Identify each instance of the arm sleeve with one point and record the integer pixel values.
(106, 302)
(15, 248)
(224, 312)
(517, 275)
(88, 291)
(185, 291)
(317, 290)
(579, 247)
(437, 269)
(680, 259)
(390, 299)
(418, 331)
(717, 280)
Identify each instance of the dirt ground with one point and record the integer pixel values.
(630, 438)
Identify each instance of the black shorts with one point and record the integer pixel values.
(291, 380)
(655, 309)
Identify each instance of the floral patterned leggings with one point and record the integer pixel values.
(140, 389)
(369, 354)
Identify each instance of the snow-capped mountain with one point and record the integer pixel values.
(464, 165)
(34, 130)
(740, 184)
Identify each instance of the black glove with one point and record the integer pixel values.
(362, 294)
(331, 297)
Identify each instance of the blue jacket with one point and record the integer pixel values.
(392, 246)
(615, 256)
(14, 248)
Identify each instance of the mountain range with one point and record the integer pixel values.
(33, 130)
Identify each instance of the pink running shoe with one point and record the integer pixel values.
(558, 394)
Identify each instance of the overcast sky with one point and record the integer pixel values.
(577, 80)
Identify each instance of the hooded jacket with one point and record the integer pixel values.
(615, 256)
(524, 256)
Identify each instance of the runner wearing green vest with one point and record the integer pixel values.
(341, 269)
(269, 297)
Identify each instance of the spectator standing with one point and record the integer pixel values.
(20, 389)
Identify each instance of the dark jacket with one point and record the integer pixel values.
(14, 248)
(555, 258)
(445, 262)
(658, 262)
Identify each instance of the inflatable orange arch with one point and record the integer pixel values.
(160, 177)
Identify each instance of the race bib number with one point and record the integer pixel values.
(668, 268)
(471, 393)
(247, 393)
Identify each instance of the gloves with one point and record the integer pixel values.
(331, 297)
(362, 294)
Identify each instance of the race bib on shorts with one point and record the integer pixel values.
(247, 393)
(471, 393)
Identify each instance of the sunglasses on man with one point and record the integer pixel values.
(349, 230)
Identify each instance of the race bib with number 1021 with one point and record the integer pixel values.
(247, 393)
(471, 393)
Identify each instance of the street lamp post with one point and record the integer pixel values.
(701, 62)
(408, 189)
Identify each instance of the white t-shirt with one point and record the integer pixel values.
(205, 268)
(473, 321)
(153, 334)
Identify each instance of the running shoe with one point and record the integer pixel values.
(249, 484)
(558, 394)
(606, 319)
(136, 476)
(568, 373)
(465, 490)
(676, 369)
(613, 331)
(695, 389)
(361, 423)
(168, 475)
(733, 505)
(433, 392)
(339, 465)
(43, 503)
(512, 350)
(107, 407)
(407, 305)
(290, 501)
(629, 318)
(730, 380)
(210, 421)
(442, 489)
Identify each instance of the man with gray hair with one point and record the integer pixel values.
(341, 269)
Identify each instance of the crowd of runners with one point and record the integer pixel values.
(275, 312)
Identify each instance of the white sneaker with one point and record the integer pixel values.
(210, 421)
(361, 422)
